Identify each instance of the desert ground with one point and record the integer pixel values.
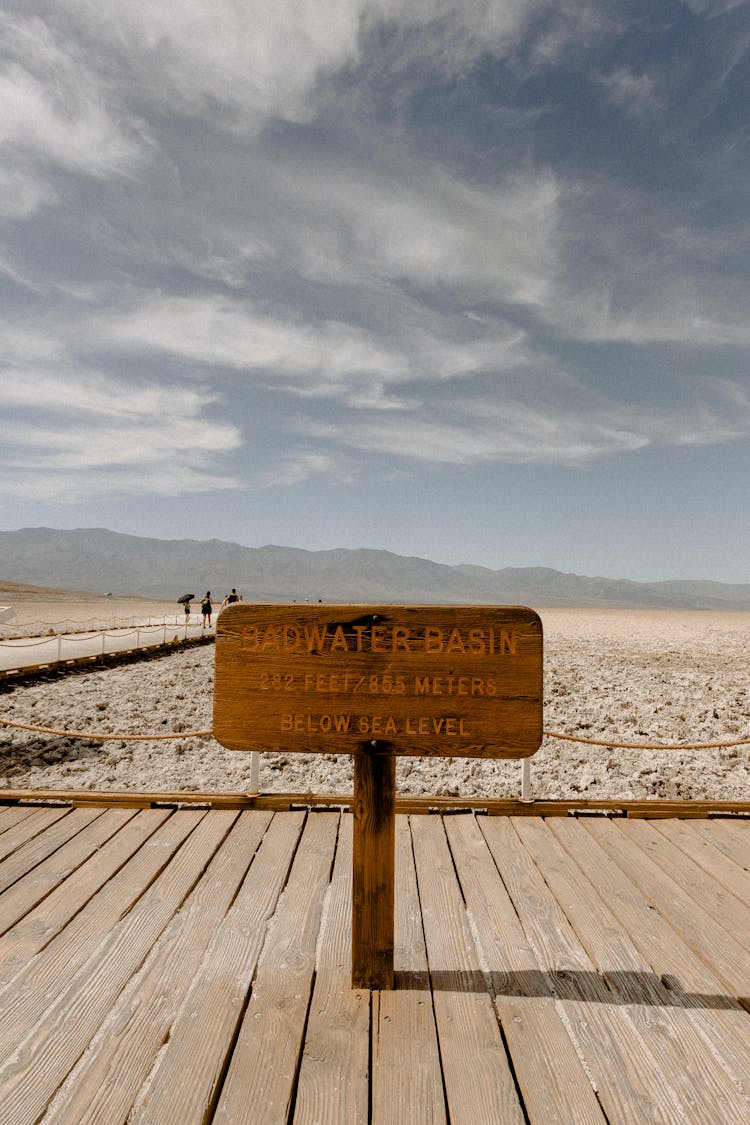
(656, 676)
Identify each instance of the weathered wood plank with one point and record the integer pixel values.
(373, 869)
(711, 941)
(553, 1082)
(35, 851)
(736, 833)
(720, 1018)
(50, 972)
(672, 1037)
(28, 828)
(273, 1026)
(38, 928)
(718, 874)
(729, 910)
(185, 1082)
(11, 815)
(24, 895)
(630, 1086)
(406, 1080)
(734, 844)
(478, 1080)
(333, 1086)
(407, 804)
(104, 1084)
(62, 1030)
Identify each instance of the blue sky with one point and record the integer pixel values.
(464, 280)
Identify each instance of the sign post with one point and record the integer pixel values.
(378, 682)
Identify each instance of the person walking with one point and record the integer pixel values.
(207, 609)
(231, 598)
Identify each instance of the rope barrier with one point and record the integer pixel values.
(99, 737)
(646, 745)
(21, 643)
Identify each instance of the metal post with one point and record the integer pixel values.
(525, 779)
(254, 771)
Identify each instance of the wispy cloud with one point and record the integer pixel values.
(55, 106)
(79, 435)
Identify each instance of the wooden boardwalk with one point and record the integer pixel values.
(193, 965)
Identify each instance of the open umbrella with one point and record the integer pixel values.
(186, 598)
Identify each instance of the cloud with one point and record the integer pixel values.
(55, 108)
(427, 227)
(484, 432)
(79, 435)
(639, 95)
(318, 357)
(235, 63)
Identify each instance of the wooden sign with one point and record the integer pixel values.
(455, 681)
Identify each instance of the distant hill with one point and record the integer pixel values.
(98, 560)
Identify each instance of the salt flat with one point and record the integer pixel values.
(625, 676)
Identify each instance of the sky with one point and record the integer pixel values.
(462, 280)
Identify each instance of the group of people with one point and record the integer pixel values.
(207, 605)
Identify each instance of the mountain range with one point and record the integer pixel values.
(102, 561)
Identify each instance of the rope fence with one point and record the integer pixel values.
(16, 654)
(99, 736)
(608, 743)
(32, 629)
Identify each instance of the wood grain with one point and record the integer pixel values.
(261, 1078)
(406, 1078)
(202, 1036)
(456, 681)
(555, 1086)
(373, 869)
(479, 1084)
(333, 1085)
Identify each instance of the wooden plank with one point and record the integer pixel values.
(726, 875)
(277, 802)
(710, 940)
(30, 827)
(721, 903)
(274, 1022)
(104, 1084)
(51, 971)
(36, 850)
(373, 869)
(19, 899)
(691, 983)
(184, 1084)
(478, 1080)
(732, 838)
(451, 680)
(673, 1038)
(61, 1030)
(10, 815)
(406, 1081)
(38, 928)
(629, 1084)
(553, 1082)
(333, 1086)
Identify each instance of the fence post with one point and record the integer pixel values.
(254, 771)
(525, 779)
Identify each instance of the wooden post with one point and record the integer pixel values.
(373, 866)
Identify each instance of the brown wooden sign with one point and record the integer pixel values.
(454, 681)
